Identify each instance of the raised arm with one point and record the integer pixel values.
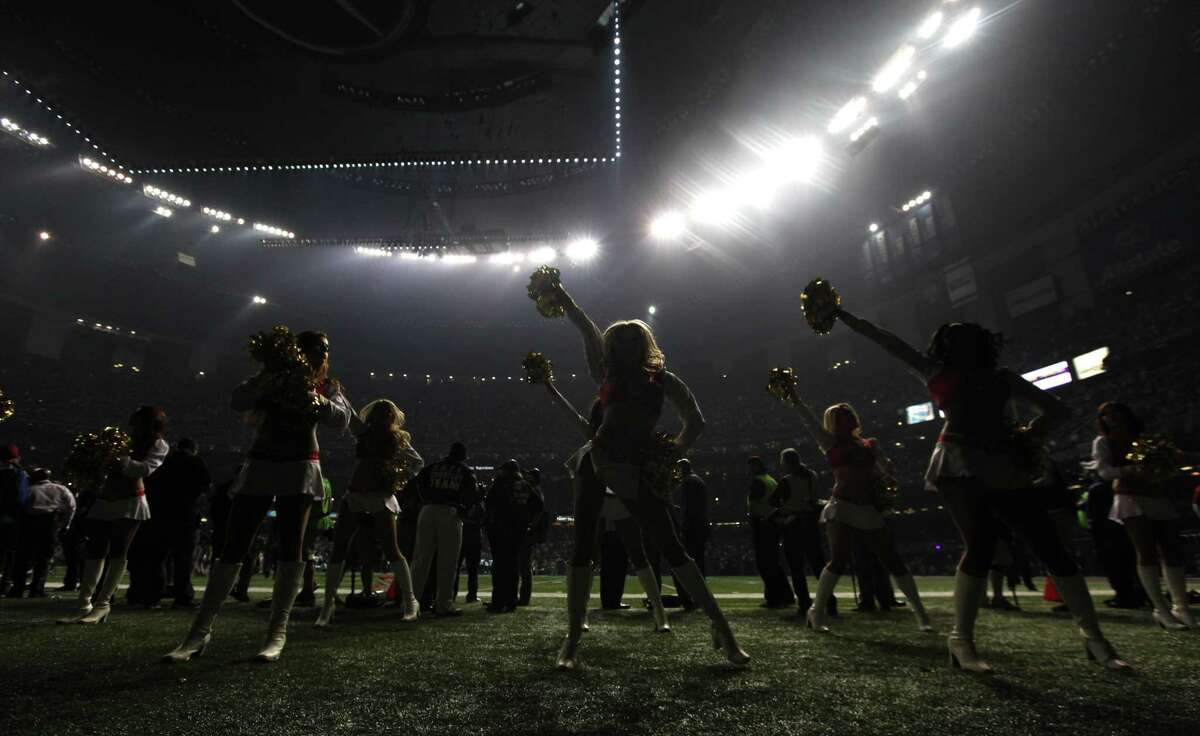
(916, 361)
(811, 421)
(580, 422)
(593, 342)
(677, 392)
(337, 412)
(1051, 412)
(131, 468)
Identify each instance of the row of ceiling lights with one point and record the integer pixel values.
(24, 134)
(579, 250)
(380, 164)
(50, 108)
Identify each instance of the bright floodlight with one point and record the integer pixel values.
(542, 255)
(873, 227)
(893, 69)
(962, 28)
(457, 259)
(715, 208)
(256, 299)
(849, 112)
(44, 235)
(653, 310)
(583, 249)
(507, 257)
(215, 229)
(931, 24)
(795, 161)
(668, 226)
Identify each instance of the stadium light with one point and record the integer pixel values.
(931, 24)
(865, 128)
(668, 226)
(215, 229)
(715, 208)
(582, 249)
(873, 227)
(795, 161)
(163, 211)
(506, 258)
(28, 136)
(272, 230)
(962, 28)
(157, 193)
(846, 116)
(100, 169)
(545, 254)
(652, 310)
(373, 252)
(44, 235)
(458, 259)
(893, 69)
(256, 299)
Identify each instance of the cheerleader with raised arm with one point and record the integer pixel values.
(986, 473)
(627, 363)
(384, 460)
(1148, 516)
(114, 518)
(283, 466)
(579, 465)
(860, 472)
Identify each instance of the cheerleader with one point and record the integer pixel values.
(114, 518)
(384, 460)
(978, 469)
(859, 470)
(634, 382)
(1148, 517)
(284, 466)
(579, 467)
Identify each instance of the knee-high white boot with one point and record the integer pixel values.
(404, 590)
(221, 579)
(1074, 592)
(579, 589)
(333, 577)
(102, 604)
(816, 619)
(89, 578)
(1177, 584)
(1149, 575)
(692, 580)
(289, 577)
(908, 587)
(650, 584)
(968, 595)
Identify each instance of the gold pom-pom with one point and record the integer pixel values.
(658, 464)
(543, 290)
(1156, 456)
(820, 303)
(782, 383)
(538, 368)
(7, 408)
(92, 452)
(287, 379)
(396, 474)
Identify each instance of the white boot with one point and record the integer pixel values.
(88, 580)
(816, 617)
(1149, 575)
(102, 605)
(908, 587)
(1177, 584)
(579, 590)
(723, 640)
(221, 579)
(650, 584)
(333, 577)
(1074, 592)
(404, 589)
(289, 577)
(968, 595)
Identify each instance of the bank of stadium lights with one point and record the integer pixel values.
(846, 115)
(616, 58)
(908, 88)
(870, 124)
(539, 256)
(373, 252)
(218, 214)
(95, 167)
(917, 201)
(668, 226)
(893, 69)
(507, 258)
(445, 163)
(276, 231)
(581, 250)
(7, 77)
(930, 25)
(258, 300)
(157, 193)
(28, 136)
(962, 28)
(163, 211)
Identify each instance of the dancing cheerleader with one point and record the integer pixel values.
(384, 461)
(284, 466)
(1148, 517)
(579, 465)
(634, 382)
(114, 518)
(982, 472)
(859, 472)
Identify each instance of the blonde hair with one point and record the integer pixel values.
(629, 345)
(397, 426)
(829, 419)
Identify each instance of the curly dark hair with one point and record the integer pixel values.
(966, 346)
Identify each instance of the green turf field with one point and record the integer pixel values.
(495, 674)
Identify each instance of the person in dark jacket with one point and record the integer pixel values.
(693, 520)
(14, 487)
(447, 487)
(510, 506)
(539, 529)
(765, 536)
(796, 513)
(471, 552)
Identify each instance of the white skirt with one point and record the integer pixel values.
(623, 479)
(857, 515)
(288, 478)
(136, 508)
(994, 469)
(370, 503)
(1152, 507)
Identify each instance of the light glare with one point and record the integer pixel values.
(962, 28)
(931, 24)
(848, 113)
(893, 69)
(583, 249)
(668, 226)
